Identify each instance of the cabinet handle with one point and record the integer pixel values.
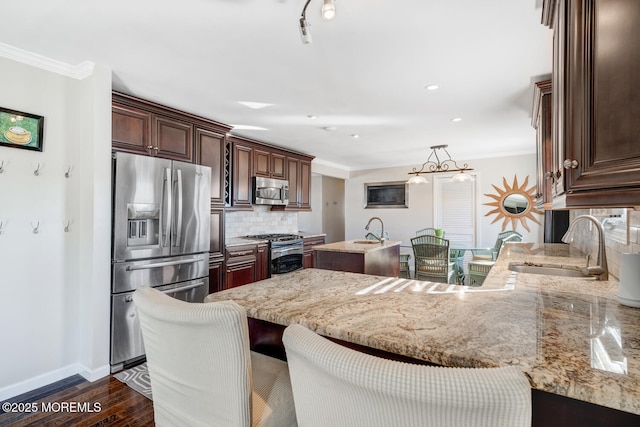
(549, 175)
(149, 147)
(570, 164)
(156, 149)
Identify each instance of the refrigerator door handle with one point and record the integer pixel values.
(178, 223)
(159, 264)
(168, 207)
(183, 288)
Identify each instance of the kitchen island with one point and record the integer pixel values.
(577, 344)
(360, 256)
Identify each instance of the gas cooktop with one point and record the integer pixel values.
(275, 237)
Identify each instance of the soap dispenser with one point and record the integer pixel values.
(629, 287)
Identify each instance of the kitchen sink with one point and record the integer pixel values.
(366, 242)
(546, 270)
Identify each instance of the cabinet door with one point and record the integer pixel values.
(172, 138)
(210, 151)
(304, 182)
(558, 83)
(293, 173)
(131, 129)
(261, 163)
(278, 166)
(544, 162)
(240, 274)
(242, 169)
(216, 275)
(603, 154)
(262, 262)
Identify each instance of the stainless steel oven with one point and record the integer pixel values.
(285, 252)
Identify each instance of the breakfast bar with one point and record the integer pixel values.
(578, 346)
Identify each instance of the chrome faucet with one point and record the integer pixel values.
(381, 238)
(601, 271)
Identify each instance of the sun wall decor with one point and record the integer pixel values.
(513, 203)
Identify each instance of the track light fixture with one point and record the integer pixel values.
(327, 12)
(446, 165)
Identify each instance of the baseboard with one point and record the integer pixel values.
(93, 374)
(51, 377)
(37, 382)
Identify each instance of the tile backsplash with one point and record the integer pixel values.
(260, 220)
(587, 240)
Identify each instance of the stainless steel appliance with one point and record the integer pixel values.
(160, 238)
(268, 191)
(285, 252)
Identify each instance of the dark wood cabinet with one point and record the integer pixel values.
(172, 138)
(262, 261)
(240, 265)
(130, 129)
(210, 151)
(268, 164)
(242, 170)
(307, 256)
(216, 275)
(299, 176)
(595, 92)
(293, 175)
(542, 123)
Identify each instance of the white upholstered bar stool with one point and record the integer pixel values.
(337, 386)
(202, 371)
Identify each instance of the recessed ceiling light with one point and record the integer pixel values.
(431, 87)
(312, 116)
(355, 135)
(254, 105)
(329, 128)
(456, 119)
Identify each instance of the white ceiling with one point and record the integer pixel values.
(365, 72)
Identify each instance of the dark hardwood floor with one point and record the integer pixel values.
(106, 402)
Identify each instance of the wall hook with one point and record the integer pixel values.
(66, 174)
(2, 167)
(66, 227)
(36, 228)
(37, 171)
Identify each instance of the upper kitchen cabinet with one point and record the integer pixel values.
(299, 176)
(142, 127)
(210, 146)
(241, 172)
(268, 164)
(542, 123)
(594, 92)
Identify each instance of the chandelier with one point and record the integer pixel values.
(327, 12)
(435, 165)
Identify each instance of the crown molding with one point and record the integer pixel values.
(79, 72)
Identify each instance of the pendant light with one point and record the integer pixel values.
(435, 165)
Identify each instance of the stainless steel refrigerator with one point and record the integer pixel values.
(160, 238)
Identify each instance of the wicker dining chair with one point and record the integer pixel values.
(479, 267)
(431, 259)
(492, 253)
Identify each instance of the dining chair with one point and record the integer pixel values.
(429, 231)
(201, 368)
(340, 387)
(492, 253)
(480, 266)
(431, 259)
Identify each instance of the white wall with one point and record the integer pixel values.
(54, 301)
(403, 223)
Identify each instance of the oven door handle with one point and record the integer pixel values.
(278, 252)
(183, 288)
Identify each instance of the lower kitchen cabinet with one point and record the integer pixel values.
(262, 261)
(216, 274)
(307, 256)
(240, 265)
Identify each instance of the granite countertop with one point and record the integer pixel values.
(239, 241)
(306, 234)
(570, 336)
(356, 246)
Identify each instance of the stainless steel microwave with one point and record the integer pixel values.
(268, 191)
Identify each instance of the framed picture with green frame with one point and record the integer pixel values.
(21, 130)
